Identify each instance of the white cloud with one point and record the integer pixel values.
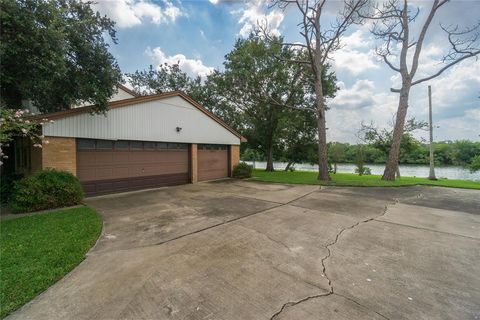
(456, 106)
(129, 13)
(360, 103)
(356, 55)
(360, 95)
(193, 67)
(254, 14)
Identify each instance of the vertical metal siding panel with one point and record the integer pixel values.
(154, 121)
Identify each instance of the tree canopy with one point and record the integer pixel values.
(54, 54)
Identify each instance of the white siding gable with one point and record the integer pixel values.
(121, 95)
(149, 121)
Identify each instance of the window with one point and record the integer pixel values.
(104, 145)
(182, 146)
(162, 145)
(147, 145)
(212, 147)
(136, 145)
(121, 145)
(85, 144)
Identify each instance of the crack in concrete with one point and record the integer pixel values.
(361, 305)
(294, 303)
(324, 270)
(267, 236)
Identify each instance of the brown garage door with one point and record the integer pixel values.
(106, 167)
(212, 162)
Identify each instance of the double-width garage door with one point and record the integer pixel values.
(212, 162)
(106, 166)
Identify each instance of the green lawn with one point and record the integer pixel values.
(350, 179)
(38, 250)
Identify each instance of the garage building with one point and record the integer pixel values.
(140, 142)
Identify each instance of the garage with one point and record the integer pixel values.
(212, 162)
(141, 142)
(105, 166)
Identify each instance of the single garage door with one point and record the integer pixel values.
(212, 162)
(105, 166)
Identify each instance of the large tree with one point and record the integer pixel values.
(54, 54)
(298, 138)
(321, 40)
(268, 91)
(394, 25)
(257, 83)
(165, 78)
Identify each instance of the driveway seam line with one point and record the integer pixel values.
(426, 229)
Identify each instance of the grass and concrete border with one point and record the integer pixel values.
(38, 250)
(354, 180)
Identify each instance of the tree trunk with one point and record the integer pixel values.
(431, 175)
(392, 162)
(269, 141)
(270, 159)
(398, 172)
(322, 147)
(334, 167)
(289, 165)
(322, 126)
(317, 68)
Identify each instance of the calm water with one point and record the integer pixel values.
(449, 172)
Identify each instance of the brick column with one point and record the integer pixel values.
(60, 153)
(194, 162)
(234, 156)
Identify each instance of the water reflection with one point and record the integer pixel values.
(449, 172)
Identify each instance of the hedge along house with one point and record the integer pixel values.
(140, 142)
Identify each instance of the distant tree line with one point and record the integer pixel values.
(458, 153)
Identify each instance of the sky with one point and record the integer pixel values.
(198, 34)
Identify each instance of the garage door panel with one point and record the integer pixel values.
(107, 171)
(212, 164)
(104, 158)
(136, 183)
(121, 157)
(121, 172)
(86, 158)
(85, 174)
(103, 173)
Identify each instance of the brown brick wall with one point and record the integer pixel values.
(60, 153)
(234, 156)
(194, 162)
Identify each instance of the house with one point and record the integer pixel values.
(140, 142)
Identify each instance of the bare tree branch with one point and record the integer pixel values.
(439, 72)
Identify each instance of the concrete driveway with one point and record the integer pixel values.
(245, 250)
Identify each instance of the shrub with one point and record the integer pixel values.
(242, 171)
(46, 189)
(363, 170)
(474, 164)
(6, 186)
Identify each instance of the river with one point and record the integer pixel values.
(411, 170)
